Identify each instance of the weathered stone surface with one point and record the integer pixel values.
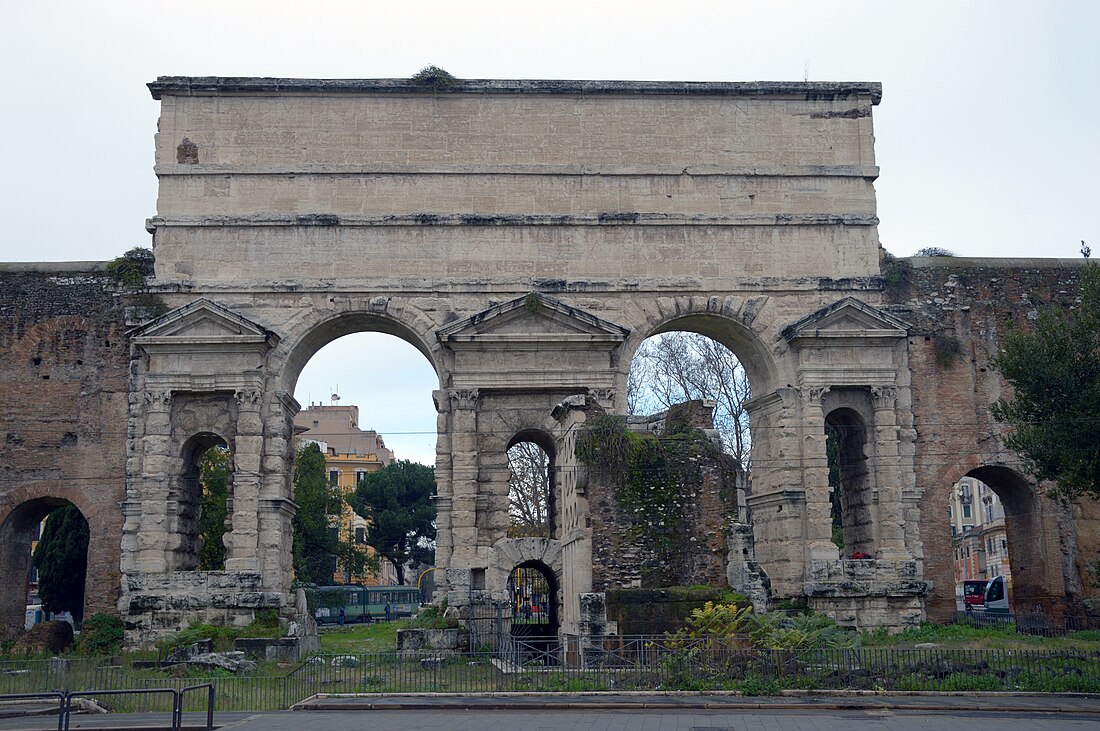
(438, 641)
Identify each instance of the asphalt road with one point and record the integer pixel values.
(602, 720)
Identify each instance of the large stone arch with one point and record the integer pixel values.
(527, 251)
(313, 329)
(732, 321)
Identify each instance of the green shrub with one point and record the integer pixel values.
(132, 268)
(102, 634)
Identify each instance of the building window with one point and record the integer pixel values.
(966, 510)
(360, 535)
(1004, 544)
(988, 513)
(334, 477)
(360, 475)
(954, 531)
(950, 513)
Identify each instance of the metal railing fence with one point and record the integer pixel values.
(66, 700)
(573, 664)
(1035, 623)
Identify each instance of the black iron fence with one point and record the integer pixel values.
(573, 664)
(1032, 623)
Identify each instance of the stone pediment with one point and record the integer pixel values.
(202, 323)
(533, 319)
(847, 318)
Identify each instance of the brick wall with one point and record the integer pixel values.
(63, 412)
(960, 310)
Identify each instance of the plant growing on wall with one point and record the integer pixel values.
(654, 481)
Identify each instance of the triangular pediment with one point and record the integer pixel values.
(847, 317)
(533, 317)
(202, 321)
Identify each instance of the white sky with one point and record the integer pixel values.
(987, 135)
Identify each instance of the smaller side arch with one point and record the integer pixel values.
(21, 512)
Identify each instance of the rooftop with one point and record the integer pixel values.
(253, 85)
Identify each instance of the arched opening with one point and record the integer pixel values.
(43, 563)
(533, 592)
(678, 365)
(1009, 533)
(531, 489)
(365, 388)
(849, 483)
(203, 497)
(979, 539)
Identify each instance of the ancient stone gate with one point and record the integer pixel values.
(526, 237)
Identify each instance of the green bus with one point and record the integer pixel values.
(361, 603)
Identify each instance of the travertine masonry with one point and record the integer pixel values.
(526, 237)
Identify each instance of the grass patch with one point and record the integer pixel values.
(354, 639)
(964, 637)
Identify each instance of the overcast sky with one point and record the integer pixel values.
(986, 136)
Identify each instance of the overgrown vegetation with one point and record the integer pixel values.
(266, 624)
(102, 634)
(1054, 370)
(433, 77)
(654, 480)
(896, 274)
(130, 270)
(934, 251)
(130, 273)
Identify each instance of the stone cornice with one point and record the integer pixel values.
(545, 170)
(250, 85)
(613, 218)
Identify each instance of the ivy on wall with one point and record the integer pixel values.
(655, 481)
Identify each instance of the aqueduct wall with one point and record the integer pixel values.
(526, 237)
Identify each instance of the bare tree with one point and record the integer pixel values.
(529, 488)
(680, 366)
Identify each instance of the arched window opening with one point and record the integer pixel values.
(850, 492)
(215, 511)
(203, 503)
(367, 407)
(530, 491)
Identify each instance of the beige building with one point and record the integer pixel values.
(978, 532)
(350, 453)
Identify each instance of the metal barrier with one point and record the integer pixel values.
(572, 664)
(65, 701)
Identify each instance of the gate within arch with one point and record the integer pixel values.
(532, 591)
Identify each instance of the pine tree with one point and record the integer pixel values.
(61, 558)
